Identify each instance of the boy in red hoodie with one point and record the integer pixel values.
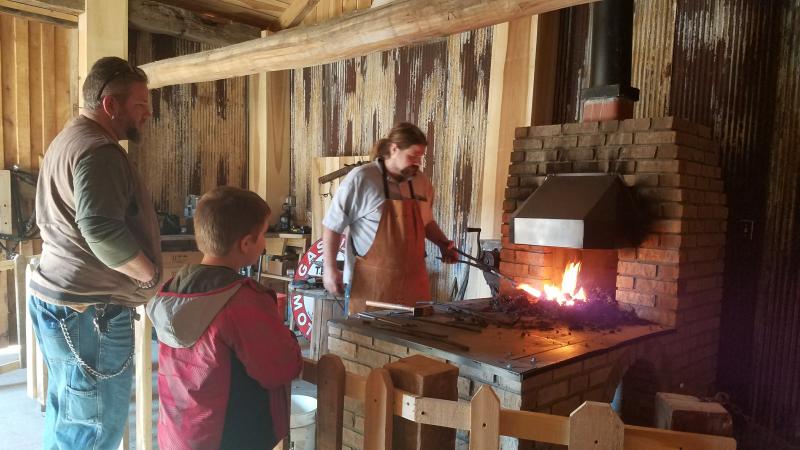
(225, 359)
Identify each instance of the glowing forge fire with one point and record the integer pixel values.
(565, 295)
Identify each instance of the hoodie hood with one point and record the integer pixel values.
(180, 319)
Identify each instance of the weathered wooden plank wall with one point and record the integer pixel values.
(197, 137)
(733, 65)
(38, 95)
(341, 109)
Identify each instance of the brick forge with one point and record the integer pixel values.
(674, 277)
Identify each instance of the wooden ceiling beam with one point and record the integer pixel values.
(296, 12)
(160, 18)
(42, 14)
(400, 23)
(72, 7)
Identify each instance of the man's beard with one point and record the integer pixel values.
(133, 135)
(409, 172)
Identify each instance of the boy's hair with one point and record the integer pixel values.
(225, 215)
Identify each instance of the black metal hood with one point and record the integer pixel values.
(591, 211)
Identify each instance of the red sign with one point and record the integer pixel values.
(310, 265)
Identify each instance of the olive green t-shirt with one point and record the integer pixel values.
(101, 183)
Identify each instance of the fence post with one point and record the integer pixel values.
(330, 395)
(430, 378)
(378, 406)
(595, 426)
(485, 420)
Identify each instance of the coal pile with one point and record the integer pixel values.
(600, 313)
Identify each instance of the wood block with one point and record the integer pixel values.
(687, 413)
(430, 378)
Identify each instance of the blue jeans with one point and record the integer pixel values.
(84, 410)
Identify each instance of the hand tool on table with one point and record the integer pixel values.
(417, 311)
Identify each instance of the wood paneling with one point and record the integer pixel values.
(38, 83)
(197, 138)
(341, 109)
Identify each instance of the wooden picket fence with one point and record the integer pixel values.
(592, 426)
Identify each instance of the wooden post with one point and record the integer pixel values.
(429, 378)
(102, 31)
(270, 114)
(330, 402)
(144, 381)
(22, 307)
(378, 407)
(595, 426)
(485, 420)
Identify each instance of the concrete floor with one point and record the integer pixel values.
(22, 422)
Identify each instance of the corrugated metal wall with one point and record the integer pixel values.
(776, 393)
(343, 108)
(733, 65)
(197, 137)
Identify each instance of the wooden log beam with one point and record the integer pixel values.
(403, 22)
(160, 18)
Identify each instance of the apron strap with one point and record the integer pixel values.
(385, 181)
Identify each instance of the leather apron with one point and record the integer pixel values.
(393, 269)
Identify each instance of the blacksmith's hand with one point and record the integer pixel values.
(332, 279)
(449, 254)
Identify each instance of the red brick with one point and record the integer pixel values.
(678, 241)
(656, 137)
(530, 181)
(636, 124)
(609, 125)
(561, 141)
(517, 156)
(592, 140)
(637, 269)
(667, 226)
(527, 144)
(620, 139)
(580, 128)
(701, 284)
(521, 132)
(534, 259)
(657, 315)
(580, 154)
(624, 282)
(608, 153)
(660, 166)
(508, 255)
(710, 239)
(587, 167)
(599, 376)
(505, 230)
(509, 205)
(553, 392)
(618, 166)
(627, 254)
(659, 256)
(639, 152)
(663, 194)
(523, 168)
(656, 287)
(677, 180)
(636, 298)
(541, 155)
(511, 269)
(556, 167)
(705, 253)
(578, 384)
(545, 130)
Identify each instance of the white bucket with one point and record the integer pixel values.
(303, 422)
